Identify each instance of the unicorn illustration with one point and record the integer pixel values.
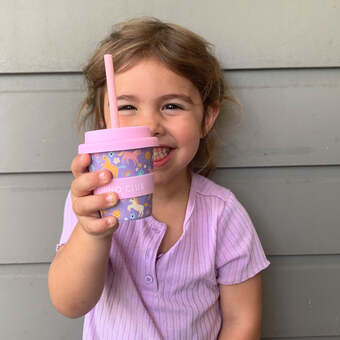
(136, 206)
(109, 166)
(131, 156)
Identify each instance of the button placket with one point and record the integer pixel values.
(150, 279)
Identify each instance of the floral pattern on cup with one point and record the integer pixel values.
(122, 164)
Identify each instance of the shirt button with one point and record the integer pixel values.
(156, 230)
(148, 279)
(147, 254)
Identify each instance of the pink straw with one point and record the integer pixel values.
(110, 81)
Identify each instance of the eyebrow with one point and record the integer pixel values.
(177, 96)
(165, 97)
(127, 97)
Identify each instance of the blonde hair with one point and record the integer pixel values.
(181, 50)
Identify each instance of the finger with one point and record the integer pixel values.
(87, 182)
(98, 226)
(80, 164)
(88, 205)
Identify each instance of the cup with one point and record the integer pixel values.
(128, 154)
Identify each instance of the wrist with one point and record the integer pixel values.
(97, 243)
(103, 228)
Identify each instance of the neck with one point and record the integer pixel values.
(178, 189)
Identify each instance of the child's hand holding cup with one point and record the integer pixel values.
(86, 205)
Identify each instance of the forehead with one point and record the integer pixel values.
(152, 76)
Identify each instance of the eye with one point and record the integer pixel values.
(126, 110)
(126, 107)
(172, 106)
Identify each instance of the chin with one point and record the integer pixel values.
(162, 177)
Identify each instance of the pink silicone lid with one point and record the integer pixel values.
(117, 139)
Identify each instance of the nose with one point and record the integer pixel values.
(155, 123)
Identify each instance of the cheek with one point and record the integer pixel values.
(127, 121)
(188, 133)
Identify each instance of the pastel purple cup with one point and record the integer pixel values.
(128, 154)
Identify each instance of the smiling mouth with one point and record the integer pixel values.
(161, 155)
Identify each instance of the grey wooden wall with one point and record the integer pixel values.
(282, 59)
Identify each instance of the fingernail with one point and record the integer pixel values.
(103, 176)
(110, 198)
(111, 221)
(82, 157)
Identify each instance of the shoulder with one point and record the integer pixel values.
(217, 200)
(213, 199)
(210, 191)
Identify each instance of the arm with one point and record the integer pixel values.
(241, 307)
(77, 274)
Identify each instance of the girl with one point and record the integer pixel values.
(191, 270)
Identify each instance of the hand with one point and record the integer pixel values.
(86, 205)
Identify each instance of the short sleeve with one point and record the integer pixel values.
(69, 222)
(239, 254)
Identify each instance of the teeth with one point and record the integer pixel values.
(160, 152)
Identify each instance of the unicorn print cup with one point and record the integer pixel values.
(128, 154)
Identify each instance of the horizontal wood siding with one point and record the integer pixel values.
(301, 297)
(295, 210)
(294, 306)
(284, 122)
(38, 36)
(26, 311)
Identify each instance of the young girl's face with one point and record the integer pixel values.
(149, 94)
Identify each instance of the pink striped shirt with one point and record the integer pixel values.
(174, 296)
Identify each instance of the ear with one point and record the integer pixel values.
(101, 123)
(210, 116)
